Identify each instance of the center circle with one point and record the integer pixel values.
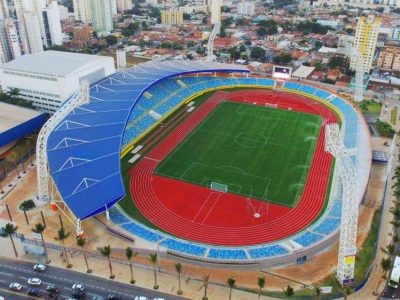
(250, 140)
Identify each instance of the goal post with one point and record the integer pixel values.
(220, 187)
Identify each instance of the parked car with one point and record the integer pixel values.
(15, 286)
(78, 287)
(39, 267)
(97, 298)
(141, 298)
(33, 292)
(34, 281)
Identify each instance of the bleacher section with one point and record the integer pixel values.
(169, 94)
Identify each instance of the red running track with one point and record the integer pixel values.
(199, 214)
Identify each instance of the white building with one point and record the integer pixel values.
(114, 7)
(246, 8)
(13, 39)
(365, 41)
(33, 33)
(81, 11)
(51, 25)
(102, 15)
(49, 78)
(124, 5)
(216, 11)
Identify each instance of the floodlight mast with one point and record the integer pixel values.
(210, 45)
(349, 184)
(80, 98)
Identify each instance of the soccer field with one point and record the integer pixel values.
(257, 152)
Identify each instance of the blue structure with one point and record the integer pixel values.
(32, 122)
(84, 150)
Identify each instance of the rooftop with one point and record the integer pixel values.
(12, 115)
(55, 63)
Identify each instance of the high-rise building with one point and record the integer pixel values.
(81, 11)
(171, 17)
(365, 41)
(4, 12)
(51, 25)
(216, 11)
(33, 32)
(102, 17)
(113, 7)
(246, 8)
(124, 5)
(29, 19)
(13, 39)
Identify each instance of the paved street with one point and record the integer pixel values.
(18, 271)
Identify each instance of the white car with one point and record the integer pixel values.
(15, 286)
(78, 287)
(39, 267)
(34, 281)
(159, 298)
(141, 298)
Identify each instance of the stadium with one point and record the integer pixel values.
(208, 161)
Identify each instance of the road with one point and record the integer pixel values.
(19, 271)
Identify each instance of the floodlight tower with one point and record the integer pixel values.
(80, 98)
(216, 20)
(359, 80)
(349, 187)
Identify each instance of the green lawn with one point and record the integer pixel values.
(257, 152)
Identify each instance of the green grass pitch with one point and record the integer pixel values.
(258, 152)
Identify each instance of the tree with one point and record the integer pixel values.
(153, 259)
(129, 255)
(257, 53)
(144, 25)
(13, 93)
(62, 235)
(39, 228)
(80, 241)
(386, 264)
(261, 285)
(318, 292)
(178, 268)
(106, 252)
(9, 230)
(111, 40)
(231, 283)
(206, 277)
(289, 291)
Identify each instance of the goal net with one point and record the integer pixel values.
(216, 186)
(271, 105)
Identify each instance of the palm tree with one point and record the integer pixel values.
(386, 264)
(178, 268)
(80, 241)
(261, 285)
(106, 252)
(153, 260)
(206, 277)
(9, 230)
(39, 228)
(62, 235)
(13, 93)
(231, 283)
(318, 292)
(129, 255)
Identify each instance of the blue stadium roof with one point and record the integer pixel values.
(84, 149)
